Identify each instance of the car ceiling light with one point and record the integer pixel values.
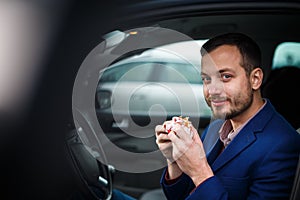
(133, 32)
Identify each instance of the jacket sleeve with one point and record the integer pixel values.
(211, 189)
(178, 190)
(185, 189)
(271, 178)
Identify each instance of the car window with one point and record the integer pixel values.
(128, 72)
(153, 71)
(173, 63)
(181, 73)
(287, 54)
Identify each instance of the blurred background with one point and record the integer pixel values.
(43, 43)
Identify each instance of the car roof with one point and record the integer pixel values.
(205, 19)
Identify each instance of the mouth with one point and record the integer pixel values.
(217, 102)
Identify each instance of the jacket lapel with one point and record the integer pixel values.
(214, 152)
(243, 140)
(211, 136)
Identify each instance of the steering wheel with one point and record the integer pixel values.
(93, 178)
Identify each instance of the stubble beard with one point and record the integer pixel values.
(237, 106)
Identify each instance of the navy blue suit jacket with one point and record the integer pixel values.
(260, 163)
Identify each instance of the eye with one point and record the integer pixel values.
(226, 77)
(205, 79)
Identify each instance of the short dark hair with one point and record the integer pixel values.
(248, 48)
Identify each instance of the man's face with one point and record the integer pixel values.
(226, 87)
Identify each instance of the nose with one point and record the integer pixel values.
(215, 87)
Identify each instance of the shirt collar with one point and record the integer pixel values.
(232, 134)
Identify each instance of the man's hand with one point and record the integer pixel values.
(165, 145)
(189, 154)
(163, 142)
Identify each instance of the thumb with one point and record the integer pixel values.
(195, 133)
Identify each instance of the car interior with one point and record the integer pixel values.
(54, 151)
(200, 26)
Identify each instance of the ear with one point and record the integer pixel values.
(256, 78)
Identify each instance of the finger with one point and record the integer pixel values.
(162, 138)
(197, 139)
(181, 132)
(173, 137)
(195, 133)
(179, 145)
(164, 145)
(167, 126)
(159, 129)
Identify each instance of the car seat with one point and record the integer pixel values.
(156, 194)
(281, 87)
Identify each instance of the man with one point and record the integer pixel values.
(249, 151)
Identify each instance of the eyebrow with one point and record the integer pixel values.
(221, 71)
(226, 70)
